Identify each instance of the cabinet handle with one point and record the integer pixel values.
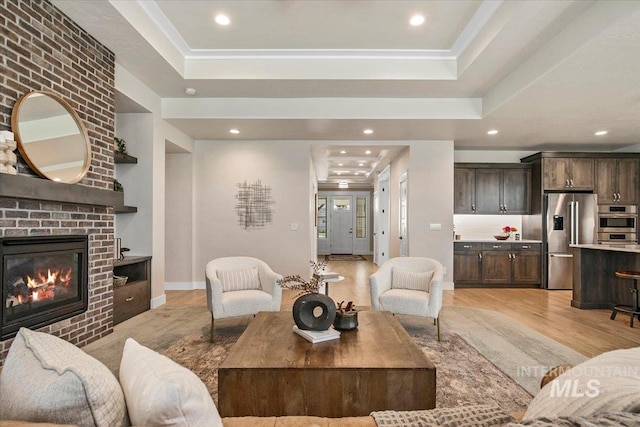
(566, 183)
(505, 208)
(513, 256)
(467, 246)
(496, 246)
(129, 299)
(526, 247)
(473, 207)
(479, 255)
(571, 182)
(618, 196)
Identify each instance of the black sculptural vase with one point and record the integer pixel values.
(314, 312)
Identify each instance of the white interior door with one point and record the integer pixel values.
(383, 217)
(375, 228)
(402, 232)
(341, 225)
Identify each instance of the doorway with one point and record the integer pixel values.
(383, 217)
(402, 232)
(341, 221)
(344, 222)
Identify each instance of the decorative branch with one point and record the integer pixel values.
(311, 286)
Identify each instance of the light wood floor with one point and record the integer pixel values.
(589, 332)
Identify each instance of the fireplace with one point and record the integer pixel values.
(44, 280)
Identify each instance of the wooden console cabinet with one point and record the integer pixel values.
(134, 297)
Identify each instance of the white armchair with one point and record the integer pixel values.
(416, 291)
(235, 288)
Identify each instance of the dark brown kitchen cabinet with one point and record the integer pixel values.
(617, 181)
(526, 263)
(467, 261)
(490, 189)
(516, 191)
(564, 173)
(464, 184)
(497, 264)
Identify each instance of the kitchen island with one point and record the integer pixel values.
(594, 282)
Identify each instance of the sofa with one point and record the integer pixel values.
(47, 380)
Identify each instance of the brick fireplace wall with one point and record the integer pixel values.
(42, 49)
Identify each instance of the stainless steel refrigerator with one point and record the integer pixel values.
(570, 218)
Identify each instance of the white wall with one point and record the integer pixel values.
(431, 202)
(284, 166)
(179, 221)
(484, 227)
(485, 156)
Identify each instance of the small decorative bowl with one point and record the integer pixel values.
(501, 236)
(119, 280)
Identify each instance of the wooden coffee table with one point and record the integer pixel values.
(271, 371)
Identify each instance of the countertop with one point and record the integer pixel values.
(619, 248)
(496, 241)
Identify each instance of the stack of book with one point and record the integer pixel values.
(317, 336)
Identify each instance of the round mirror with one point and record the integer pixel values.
(51, 137)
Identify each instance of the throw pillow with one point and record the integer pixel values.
(46, 379)
(414, 280)
(609, 382)
(159, 392)
(239, 280)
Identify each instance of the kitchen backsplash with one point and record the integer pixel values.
(484, 227)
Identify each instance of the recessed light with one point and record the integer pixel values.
(367, 131)
(361, 164)
(338, 173)
(367, 152)
(222, 19)
(601, 132)
(190, 91)
(343, 152)
(57, 179)
(416, 20)
(340, 164)
(492, 132)
(357, 173)
(234, 131)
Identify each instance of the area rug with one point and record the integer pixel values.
(344, 258)
(484, 356)
(463, 375)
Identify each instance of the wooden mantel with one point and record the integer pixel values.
(33, 188)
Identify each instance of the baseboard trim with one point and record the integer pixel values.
(158, 301)
(183, 286)
(448, 286)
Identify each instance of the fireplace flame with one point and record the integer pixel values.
(40, 287)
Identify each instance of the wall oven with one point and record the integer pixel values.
(617, 223)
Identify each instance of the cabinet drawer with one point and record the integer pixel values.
(467, 246)
(526, 246)
(130, 300)
(496, 246)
